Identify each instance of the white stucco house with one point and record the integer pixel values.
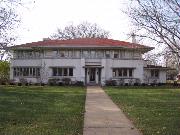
(90, 60)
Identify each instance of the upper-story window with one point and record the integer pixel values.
(71, 54)
(116, 54)
(62, 53)
(21, 54)
(136, 55)
(122, 54)
(92, 54)
(107, 54)
(55, 52)
(85, 54)
(99, 54)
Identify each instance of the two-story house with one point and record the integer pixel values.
(90, 60)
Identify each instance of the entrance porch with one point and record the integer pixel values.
(93, 75)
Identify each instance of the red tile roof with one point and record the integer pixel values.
(83, 42)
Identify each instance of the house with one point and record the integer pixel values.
(90, 60)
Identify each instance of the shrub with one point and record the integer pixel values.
(136, 84)
(53, 81)
(42, 84)
(19, 84)
(3, 81)
(66, 81)
(36, 84)
(23, 81)
(12, 82)
(79, 83)
(110, 83)
(126, 84)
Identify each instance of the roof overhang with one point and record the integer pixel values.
(124, 67)
(93, 66)
(158, 68)
(143, 50)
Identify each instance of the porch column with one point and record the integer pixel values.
(97, 74)
(87, 75)
(103, 72)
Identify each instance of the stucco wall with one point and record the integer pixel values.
(149, 79)
(79, 70)
(116, 63)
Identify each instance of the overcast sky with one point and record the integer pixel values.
(44, 16)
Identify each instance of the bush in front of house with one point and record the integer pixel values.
(3, 81)
(66, 81)
(23, 81)
(110, 83)
(79, 83)
(53, 81)
(12, 82)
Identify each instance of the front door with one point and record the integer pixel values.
(92, 74)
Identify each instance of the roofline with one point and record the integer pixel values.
(79, 47)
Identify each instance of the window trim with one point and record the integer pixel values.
(62, 69)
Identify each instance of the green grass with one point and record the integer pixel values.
(155, 111)
(37, 110)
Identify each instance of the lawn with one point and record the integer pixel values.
(155, 111)
(37, 110)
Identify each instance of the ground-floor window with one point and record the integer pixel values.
(58, 71)
(122, 72)
(26, 71)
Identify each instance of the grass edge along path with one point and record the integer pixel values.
(155, 111)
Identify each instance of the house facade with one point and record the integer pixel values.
(89, 60)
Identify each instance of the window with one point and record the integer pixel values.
(114, 72)
(92, 54)
(99, 54)
(116, 54)
(71, 54)
(122, 72)
(15, 72)
(62, 54)
(154, 73)
(85, 54)
(55, 52)
(26, 71)
(130, 72)
(65, 72)
(122, 54)
(59, 71)
(56, 71)
(70, 71)
(107, 54)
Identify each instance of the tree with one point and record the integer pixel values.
(83, 30)
(9, 20)
(159, 20)
(4, 70)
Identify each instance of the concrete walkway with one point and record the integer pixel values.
(103, 117)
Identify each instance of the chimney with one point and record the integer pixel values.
(46, 39)
(133, 38)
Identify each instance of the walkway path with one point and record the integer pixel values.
(103, 117)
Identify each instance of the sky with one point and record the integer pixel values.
(43, 17)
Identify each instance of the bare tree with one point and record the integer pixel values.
(9, 20)
(83, 30)
(159, 20)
